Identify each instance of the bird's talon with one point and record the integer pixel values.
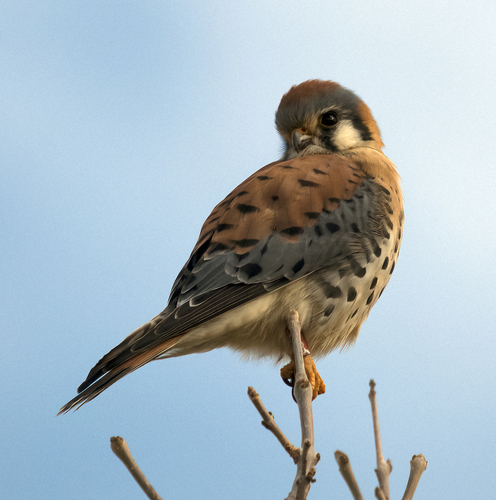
(288, 381)
(288, 376)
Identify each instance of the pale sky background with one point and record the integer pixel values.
(122, 124)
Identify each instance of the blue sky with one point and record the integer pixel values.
(122, 124)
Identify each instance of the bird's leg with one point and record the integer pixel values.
(288, 371)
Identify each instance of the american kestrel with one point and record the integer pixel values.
(317, 231)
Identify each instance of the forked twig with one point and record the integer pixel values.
(383, 468)
(418, 463)
(121, 449)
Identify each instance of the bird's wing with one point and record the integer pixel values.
(285, 221)
(262, 230)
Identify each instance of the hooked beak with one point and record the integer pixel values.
(300, 139)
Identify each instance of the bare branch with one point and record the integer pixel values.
(121, 449)
(269, 423)
(383, 468)
(418, 464)
(347, 473)
(379, 494)
(303, 394)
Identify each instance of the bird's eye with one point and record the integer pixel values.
(329, 119)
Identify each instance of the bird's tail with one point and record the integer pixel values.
(120, 361)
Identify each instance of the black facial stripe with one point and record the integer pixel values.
(362, 128)
(327, 141)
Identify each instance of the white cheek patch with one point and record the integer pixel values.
(346, 136)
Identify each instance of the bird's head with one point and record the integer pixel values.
(322, 117)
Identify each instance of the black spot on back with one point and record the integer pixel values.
(374, 282)
(332, 228)
(371, 296)
(305, 183)
(355, 228)
(218, 247)
(225, 202)
(352, 293)
(263, 177)
(318, 231)
(298, 266)
(292, 231)
(246, 242)
(312, 215)
(275, 198)
(246, 209)
(385, 263)
(223, 227)
(251, 270)
(317, 171)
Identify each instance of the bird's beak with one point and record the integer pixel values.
(300, 139)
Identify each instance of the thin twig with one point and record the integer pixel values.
(269, 423)
(418, 464)
(347, 473)
(303, 394)
(383, 468)
(121, 449)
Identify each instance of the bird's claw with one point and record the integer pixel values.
(288, 376)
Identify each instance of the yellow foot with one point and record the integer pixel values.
(318, 386)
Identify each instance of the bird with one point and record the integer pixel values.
(317, 231)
